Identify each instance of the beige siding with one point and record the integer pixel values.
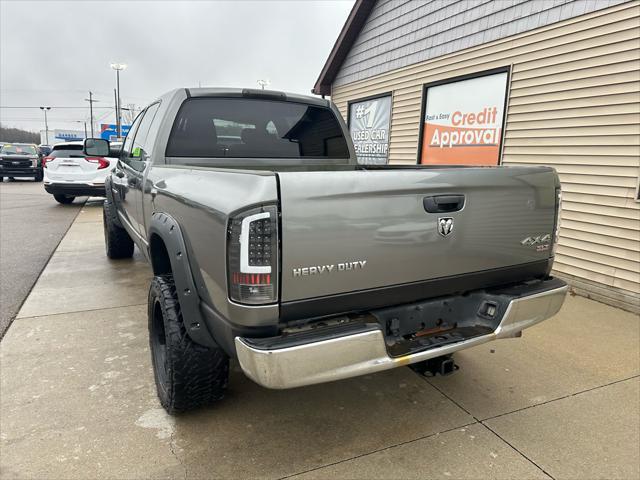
(574, 104)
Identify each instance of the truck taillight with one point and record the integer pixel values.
(252, 256)
(557, 220)
(102, 162)
(45, 160)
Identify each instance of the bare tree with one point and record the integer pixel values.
(8, 134)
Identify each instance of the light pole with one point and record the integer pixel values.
(264, 83)
(85, 127)
(117, 67)
(46, 125)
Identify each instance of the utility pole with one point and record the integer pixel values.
(264, 83)
(91, 102)
(129, 113)
(46, 124)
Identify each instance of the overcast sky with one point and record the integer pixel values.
(54, 52)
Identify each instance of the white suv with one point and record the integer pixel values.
(69, 173)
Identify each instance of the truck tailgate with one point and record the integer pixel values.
(357, 230)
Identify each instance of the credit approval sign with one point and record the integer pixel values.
(369, 122)
(462, 122)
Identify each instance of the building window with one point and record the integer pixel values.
(369, 126)
(463, 119)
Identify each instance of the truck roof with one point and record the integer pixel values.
(256, 93)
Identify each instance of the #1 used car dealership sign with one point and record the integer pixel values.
(369, 128)
(462, 121)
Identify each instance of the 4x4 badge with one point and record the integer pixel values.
(445, 226)
(537, 240)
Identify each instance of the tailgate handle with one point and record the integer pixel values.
(443, 203)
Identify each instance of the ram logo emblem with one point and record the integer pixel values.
(445, 226)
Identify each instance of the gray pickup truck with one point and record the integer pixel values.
(271, 245)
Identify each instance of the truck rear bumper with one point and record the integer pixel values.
(281, 364)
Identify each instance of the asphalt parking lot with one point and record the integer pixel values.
(32, 224)
(78, 399)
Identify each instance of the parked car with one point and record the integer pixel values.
(20, 160)
(69, 173)
(270, 244)
(44, 149)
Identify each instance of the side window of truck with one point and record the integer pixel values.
(128, 141)
(136, 155)
(140, 145)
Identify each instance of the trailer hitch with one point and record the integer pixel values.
(436, 366)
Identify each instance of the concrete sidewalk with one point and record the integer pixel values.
(32, 224)
(78, 399)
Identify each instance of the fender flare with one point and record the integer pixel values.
(108, 193)
(168, 229)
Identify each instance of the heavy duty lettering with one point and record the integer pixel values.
(322, 269)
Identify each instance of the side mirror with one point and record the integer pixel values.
(96, 147)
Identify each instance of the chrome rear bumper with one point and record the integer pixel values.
(365, 352)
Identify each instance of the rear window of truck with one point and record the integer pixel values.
(255, 128)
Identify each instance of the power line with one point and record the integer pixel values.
(61, 90)
(95, 108)
(37, 119)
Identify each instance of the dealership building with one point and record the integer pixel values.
(51, 137)
(509, 82)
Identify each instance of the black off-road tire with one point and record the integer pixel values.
(64, 199)
(187, 375)
(118, 243)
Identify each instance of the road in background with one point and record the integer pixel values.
(32, 224)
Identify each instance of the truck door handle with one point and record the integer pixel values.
(443, 203)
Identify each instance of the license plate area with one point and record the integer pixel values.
(441, 321)
(69, 167)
